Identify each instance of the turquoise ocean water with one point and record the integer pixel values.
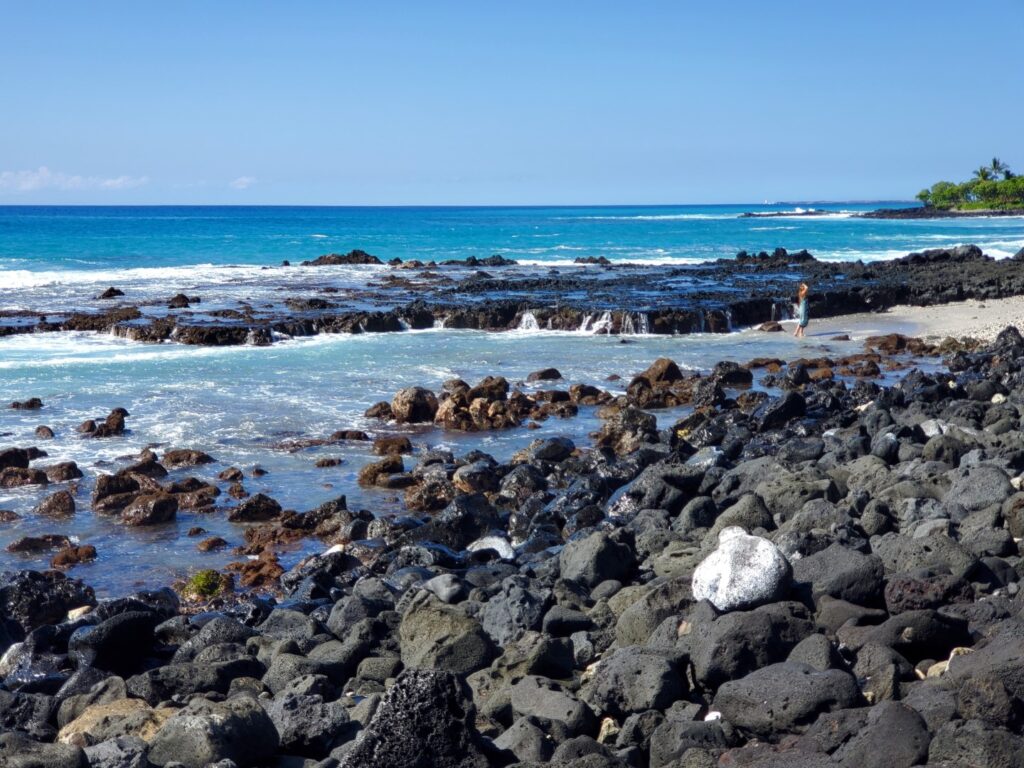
(240, 404)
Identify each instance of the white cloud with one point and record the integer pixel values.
(242, 182)
(44, 178)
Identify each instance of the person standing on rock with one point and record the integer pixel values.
(801, 311)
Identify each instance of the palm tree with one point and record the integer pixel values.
(983, 174)
(999, 168)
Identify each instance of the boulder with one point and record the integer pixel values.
(414, 405)
(257, 508)
(425, 718)
(784, 698)
(19, 751)
(743, 572)
(596, 558)
(633, 680)
(150, 509)
(205, 732)
(435, 635)
(59, 504)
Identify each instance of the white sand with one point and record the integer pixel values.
(973, 319)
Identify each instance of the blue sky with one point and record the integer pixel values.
(502, 103)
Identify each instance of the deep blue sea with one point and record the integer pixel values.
(240, 403)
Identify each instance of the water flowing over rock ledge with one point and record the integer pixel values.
(716, 297)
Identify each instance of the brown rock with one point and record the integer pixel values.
(32, 404)
(237, 491)
(349, 434)
(87, 427)
(255, 509)
(329, 461)
(771, 326)
(231, 475)
(37, 544)
(195, 531)
(544, 374)
(211, 544)
(14, 457)
(185, 457)
(59, 504)
(7, 516)
(265, 571)
(122, 717)
(43, 432)
(380, 410)
(111, 293)
(71, 556)
(661, 371)
(16, 477)
(372, 473)
(384, 446)
(414, 405)
(150, 509)
(62, 472)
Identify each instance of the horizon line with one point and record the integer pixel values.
(456, 205)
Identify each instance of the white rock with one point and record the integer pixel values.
(998, 398)
(743, 572)
(498, 543)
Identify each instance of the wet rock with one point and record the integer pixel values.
(35, 544)
(779, 411)
(62, 472)
(44, 433)
(414, 405)
(16, 477)
(59, 504)
(32, 404)
(384, 446)
(110, 293)
(627, 430)
(15, 458)
(150, 509)
(33, 599)
(74, 555)
(426, 716)
(255, 509)
(356, 256)
(744, 571)
(185, 457)
(544, 374)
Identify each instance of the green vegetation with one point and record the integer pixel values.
(203, 584)
(994, 187)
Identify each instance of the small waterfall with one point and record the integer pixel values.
(528, 322)
(728, 321)
(775, 311)
(603, 324)
(628, 329)
(440, 321)
(643, 323)
(550, 323)
(701, 324)
(585, 325)
(404, 324)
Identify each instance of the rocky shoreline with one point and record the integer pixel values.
(594, 297)
(818, 570)
(924, 212)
